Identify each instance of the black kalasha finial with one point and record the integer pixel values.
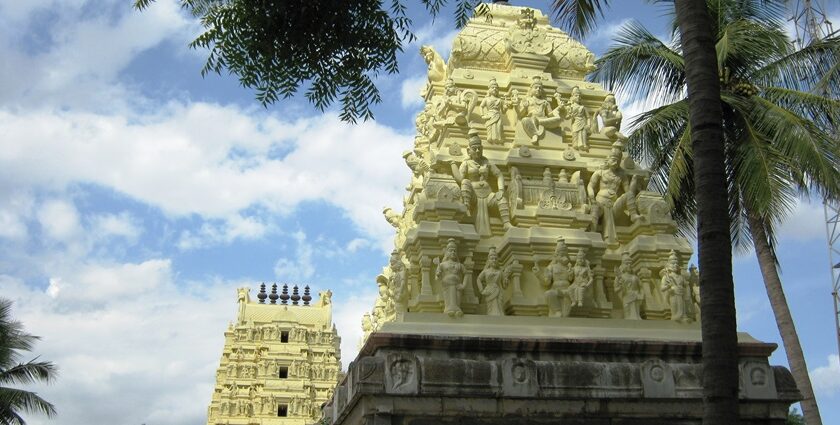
(306, 297)
(273, 296)
(262, 295)
(284, 296)
(295, 295)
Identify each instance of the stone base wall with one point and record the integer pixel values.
(423, 379)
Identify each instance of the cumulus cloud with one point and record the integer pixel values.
(59, 220)
(826, 379)
(347, 315)
(410, 91)
(146, 353)
(300, 267)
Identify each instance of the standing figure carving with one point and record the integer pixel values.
(576, 112)
(582, 278)
(398, 283)
(474, 174)
(556, 278)
(628, 286)
(675, 285)
(491, 110)
(603, 190)
(536, 112)
(452, 276)
(491, 284)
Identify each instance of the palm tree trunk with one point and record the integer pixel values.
(784, 320)
(718, 328)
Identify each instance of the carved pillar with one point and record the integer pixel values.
(426, 301)
(515, 277)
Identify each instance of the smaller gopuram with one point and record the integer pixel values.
(535, 278)
(280, 362)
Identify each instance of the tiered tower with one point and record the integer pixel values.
(280, 362)
(517, 155)
(534, 279)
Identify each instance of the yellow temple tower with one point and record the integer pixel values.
(280, 362)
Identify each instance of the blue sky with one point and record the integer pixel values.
(135, 196)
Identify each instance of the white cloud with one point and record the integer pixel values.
(300, 267)
(357, 244)
(826, 379)
(59, 220)
(225, 231)
(603, 35)
(148, 351)
(347, 315)
(410, 91)
(438, 34)
(806, 222)
(212, 161)
(89, 46)
(122, 225)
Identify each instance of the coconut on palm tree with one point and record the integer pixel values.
(778, 118)
(14, 342)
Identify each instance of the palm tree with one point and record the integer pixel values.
(720, 358)
(13, 341)
(777, 132)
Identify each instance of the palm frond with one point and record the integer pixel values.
(640, 66)
(578, 17)
(813, 153)
(823, 111)
(14, 400)
(743, 45)
(814, 68)
(28, 373)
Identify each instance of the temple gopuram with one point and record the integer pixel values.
(280, 362)
(534, 278)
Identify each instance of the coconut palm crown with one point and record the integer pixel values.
(779, 113)
(14, 341)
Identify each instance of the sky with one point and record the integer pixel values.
(136, 196)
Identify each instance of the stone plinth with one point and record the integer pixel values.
(589, 371)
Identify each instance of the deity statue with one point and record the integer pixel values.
(397, 282)
(384, 308)
(476, 192)
(536, 112)
(452, 276)
(492, 106)
(676, 288)
(516, 190)
(576, 112)
(582, 278)
(628, 286)
(436, 65)
(455, 106)
(603, 190)
(491, 284)
(556, 279)
(694, 282)
(610, 119)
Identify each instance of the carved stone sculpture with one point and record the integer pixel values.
(582, 278)
(557, 278)
(455, 106)
(676, 288)
(453, 278)
(628, 286)
(603, 190)
(536, 112)
(491, 284)
(610, 119)
(478, 195)
(398, 283)
(579, 118)
(436, 65)
(491, 107)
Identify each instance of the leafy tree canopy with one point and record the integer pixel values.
(333, 48)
